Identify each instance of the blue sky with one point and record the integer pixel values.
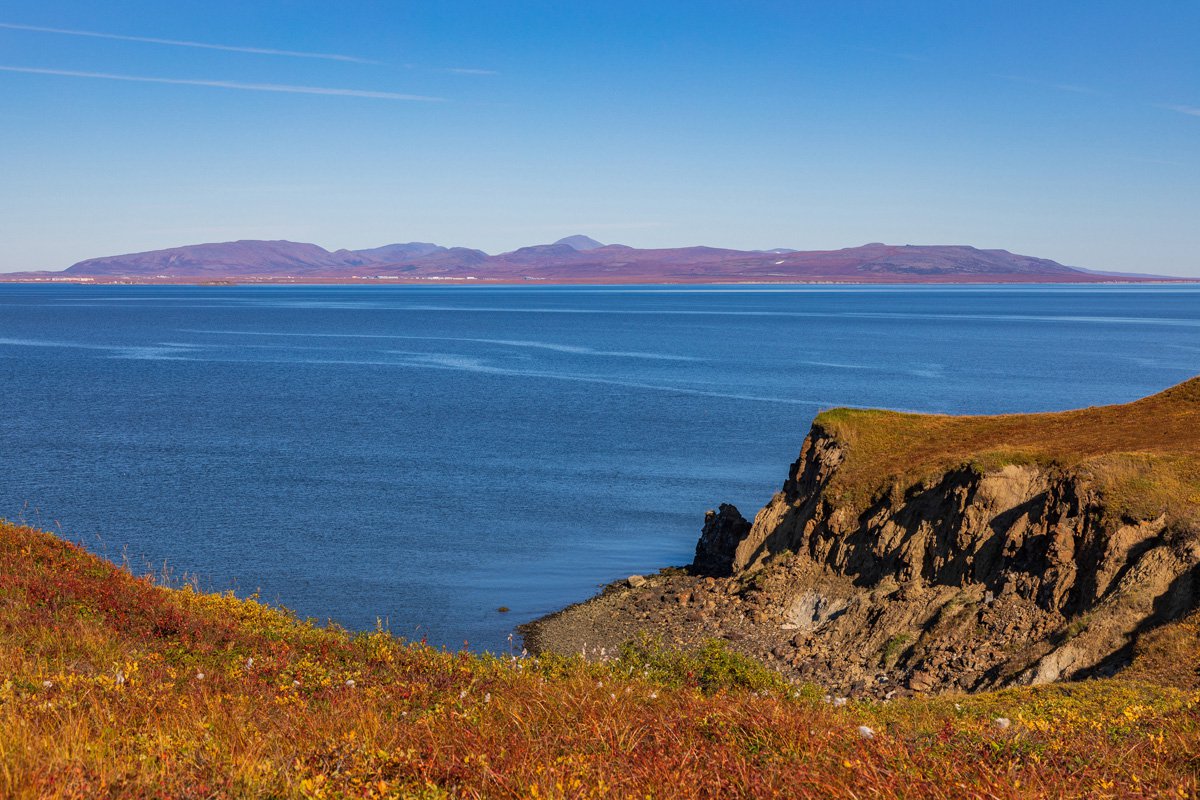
(1068, 130)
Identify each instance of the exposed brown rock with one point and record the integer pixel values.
(967, 579)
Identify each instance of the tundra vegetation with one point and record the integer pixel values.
(1144, 455)
(112, 685)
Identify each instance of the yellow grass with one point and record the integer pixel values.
(1145, 454)
(111, 686)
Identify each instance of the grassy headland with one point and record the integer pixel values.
(112, 686)
(1146, 454)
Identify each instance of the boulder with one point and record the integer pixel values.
(723, 530)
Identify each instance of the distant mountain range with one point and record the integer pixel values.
(578, 259)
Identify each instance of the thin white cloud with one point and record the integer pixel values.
(250, 87)
(453, 70)
(262, 51)
(1191, 111)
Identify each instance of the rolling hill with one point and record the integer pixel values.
(579, 259)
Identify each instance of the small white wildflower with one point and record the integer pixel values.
(612, 696)
(295, 683)
(603, 652)
(350, 682)
(838, 702)
(47, 684)
(199, 676)
(1002, 723)
(828, 698)
(249, 663)
(957, 707)
(654, 695)
(487, 698)
(120, 678)
(462, 695)
(866, 732)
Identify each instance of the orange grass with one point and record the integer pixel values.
(1146, 453)
(101, 695)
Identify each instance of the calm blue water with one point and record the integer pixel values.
(425, 455)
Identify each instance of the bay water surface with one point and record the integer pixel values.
(425, 455)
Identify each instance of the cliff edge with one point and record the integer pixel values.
(918, 553)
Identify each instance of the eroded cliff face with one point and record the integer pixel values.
(972, 578)
(922, 553)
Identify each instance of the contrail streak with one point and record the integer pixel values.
(250, 87)
(263, 51)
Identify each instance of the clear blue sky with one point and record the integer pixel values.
(1068, 130)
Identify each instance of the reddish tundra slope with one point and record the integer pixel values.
(114, 687)
(578, 259)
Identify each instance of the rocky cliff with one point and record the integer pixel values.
(919, 553)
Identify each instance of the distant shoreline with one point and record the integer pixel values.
(25, 279)
(575, 260)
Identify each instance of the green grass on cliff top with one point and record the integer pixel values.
(1144, 455)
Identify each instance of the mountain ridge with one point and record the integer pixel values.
(579, 258)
